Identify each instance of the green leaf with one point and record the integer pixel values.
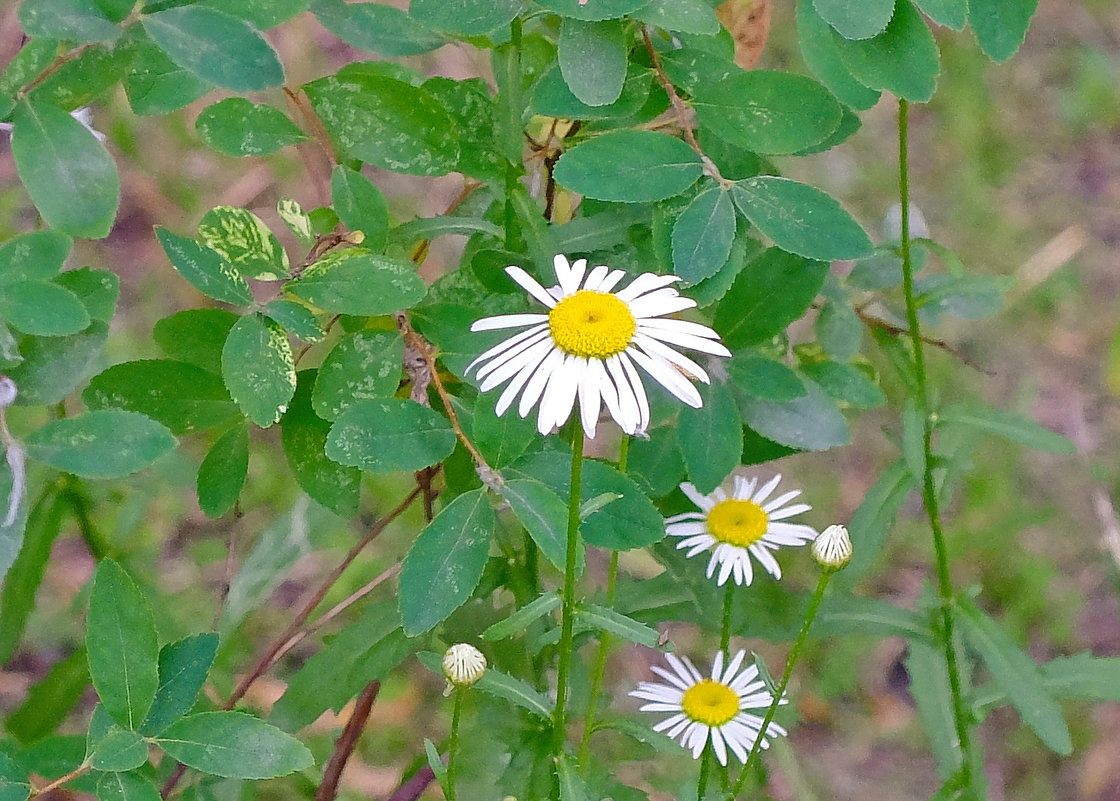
(544, 516)
(471, 107)
(183, 667)
(465, 17)
(43, 308)
(25, 547)
(215, 47)
(98, 290)
(196, 336)
(243, 240)
(764, 378)
(604, 9)
(913, 438)
(70, 177)
(629, 167)
(767, 111)
(35, 256)
(854, 614)
(15, 784)
(703, 235)
(445, 562)
(297, 220)
(1007, 425)
(356, 281)
(774, 290)
(262, 14)
(53, 367)
(950, 13)
(1000, 26)
(361, 366)
(523, 617)
(846, 384)
(620, 625)
(100, 444)
(361, 206)
(430, 227)
(508, 688)
(800, 218)
(205, 269)
(874, 518)
(125, 787)
(903, 59)
(1017, 673)
(856, 19)
(295, 318)
(500, 439)
(50, 700)
(821, 55)
(929, 687)
(234, 745)
(435, 762)
(682, 16)
(572, 786)
(838, 330)
(553, 98)
(156, 84)
(183, 397)
(222, 472)
(258, 369)
(592, 58)
(304, 434)
(711, 438)
(376, 27)
(384, 435)
(386, 122)
(119, 750)
(656, 463)
(811, 422)
(121, 646)
(73, 20)
(367, 649)
(1083, 676)
(629, 522)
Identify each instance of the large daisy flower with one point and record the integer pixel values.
(747, 524)
(588, 344)
(710, 709)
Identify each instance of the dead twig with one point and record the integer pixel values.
(346, 742)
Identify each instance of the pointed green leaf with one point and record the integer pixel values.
(361, 206)
(620, 625)
(445, 563)
(183, 667)
(846, 384)
(523, 617)
(500, 439)
(196, 336)
(603, 9)
(243, 240)
(1000, 26)
(764, 378)
(703, 234)
(629, 167)
(121, 646)
(856, 19)
(295, 318)
(465, 17)
(592, 57)
(98, 290)
(810, 423)
(215, 47)
(222, 472)
(69, 175)
(51, 700)
(1007, 425)
(821, 55)
(258, 368)
(361, 366)
(572, 786)
(234, 745)
(950, 13)
(238, 127)
(903, 59)
(711, 438)
(53, 367)
(544, 516)
(156, 84)
(854, 614)
(929, 686)
(261, 14)
(25, 547)
(390, 434)
(15, 784)
(874, 518)
(100, 444)
(205, 269)
(356, 281)
(119, 750)
(681, 16)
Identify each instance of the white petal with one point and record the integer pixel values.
(532, 354)
(681, 338)
(796, 509)
(516, 349)
(570, 279)
(670, 677)
(560, 394)
(539, 380)
(627, 419)
(530, 285)
(660, 303)
(694, 495)
(639, 391)
(507, 321)
(612, 280)
(791, 531)
(668, 377)
(589, 397)
(733, 667)
(784, 498)
(506, 344)
(717, 744)
(765, 490)
(768, 562)
(646, 282)
(532, 367)
(717, 666)
(687, 529)
(659, 351)
(595, 278)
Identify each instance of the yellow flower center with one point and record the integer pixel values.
(737, 522)
(710, 702)
(592, 324)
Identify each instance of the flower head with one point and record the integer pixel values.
(832, 548)
(736, 528)
(588, 344)
(710, 708)
(463, 665)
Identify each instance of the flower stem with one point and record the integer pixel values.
(705, 769)
(929, 491)
(453, 744)
(604, 638)
(567, 609)
(725, 627)
(780, 690)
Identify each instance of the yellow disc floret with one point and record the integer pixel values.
(710, 702)
(595, 325)
(736, 522)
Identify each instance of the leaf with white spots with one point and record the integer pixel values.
(356, 281)
(243, 239)
(363, 365)
(205, 269)
(258, 369)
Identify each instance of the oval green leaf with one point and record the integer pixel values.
(703, 234)
(36, 256)
(377, 27)
(363, 365)
(390, 434)
(465, 17)
(242, 239)
(183, 667)
(234, 745)
(629, 167)
(222, 472)
(819, 49)
(100, 444)
(361, 206)
(42, 308)
(238, 127)
(592, 57)
(856, 19)
(355, 281)
(258, 369)
(876, 62)
(1000, 26)
(205, 269)
(593, 11)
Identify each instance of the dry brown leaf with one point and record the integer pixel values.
(749, 23)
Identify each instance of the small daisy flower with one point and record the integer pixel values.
(735, 529)
(710, 709)
(833, 548)
(587, 345)
(463, 664)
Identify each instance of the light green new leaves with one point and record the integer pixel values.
(356, 281)
(390, 434)
(100, 444)
(69, 175)
(703, 234)
(767, 111)
(800, 218)
(258, 368)
(238, 127)
(445, 563)
(205, 269)
(216, 47)
(121, 646)
(1017, 674)
(234, 745)
(1000, 25)
(629, 167)
(592, 57)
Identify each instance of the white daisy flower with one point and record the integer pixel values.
(588, 344)
(463, 664)
(710, 709)
(735, 529)
(833, 548)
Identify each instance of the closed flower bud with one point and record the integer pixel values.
(832, 548)
(463, 665)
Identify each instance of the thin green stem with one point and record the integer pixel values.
(453, 744)
(725, 626)
(780, 690)
(568, 607)
(929, 490)
(705, 769)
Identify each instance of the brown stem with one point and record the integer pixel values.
(81, 770)
(415, 786)
(51, 69)
(346, 742)
(894, 330)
